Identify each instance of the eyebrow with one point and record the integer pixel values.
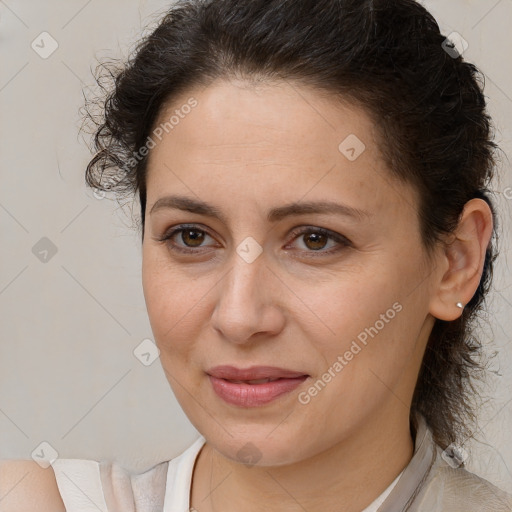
(275, 214)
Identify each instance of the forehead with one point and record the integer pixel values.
(265, 140)
(256, 114)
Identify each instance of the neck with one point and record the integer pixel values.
(353, 473)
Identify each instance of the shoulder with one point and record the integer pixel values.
(456, 489)
(25, 486)
(107, 485)
(475, 492)
(70, 485)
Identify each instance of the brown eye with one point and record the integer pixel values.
(186, 239)
(192, 237)
(315, 241)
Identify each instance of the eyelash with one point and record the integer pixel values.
(344, 242)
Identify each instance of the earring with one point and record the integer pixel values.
(460, 305)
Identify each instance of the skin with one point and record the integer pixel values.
(27, 487)
(245, 149)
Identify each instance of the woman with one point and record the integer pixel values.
(317, 240)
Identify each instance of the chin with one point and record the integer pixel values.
(254, 446)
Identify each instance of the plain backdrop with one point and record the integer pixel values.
(72, 310)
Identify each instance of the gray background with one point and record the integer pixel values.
(69, 326)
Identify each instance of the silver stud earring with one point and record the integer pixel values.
(460, 305)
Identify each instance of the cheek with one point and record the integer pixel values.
(153, 287)
(347, 302)
(174, 301)
(368, 316)
(364, 358)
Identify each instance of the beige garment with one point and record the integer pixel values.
(430, 484)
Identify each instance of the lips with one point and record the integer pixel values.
(255, 386)
(254, 374)
(254, 381)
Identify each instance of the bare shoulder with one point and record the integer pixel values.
(25, 487)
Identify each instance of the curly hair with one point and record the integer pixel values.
(388, 57)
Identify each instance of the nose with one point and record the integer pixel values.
(248, 301)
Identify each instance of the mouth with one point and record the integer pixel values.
(256, 381)
(254, 374)
(255, 386)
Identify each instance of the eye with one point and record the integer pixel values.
(315, 239)
(191, 236)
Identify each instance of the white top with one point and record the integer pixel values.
(91, 486)
(374, 505)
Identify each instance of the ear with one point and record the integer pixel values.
(463, 261)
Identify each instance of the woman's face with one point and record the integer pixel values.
(260, 285)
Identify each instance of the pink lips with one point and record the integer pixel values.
(247, 394)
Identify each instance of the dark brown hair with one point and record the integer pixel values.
(386, 56)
